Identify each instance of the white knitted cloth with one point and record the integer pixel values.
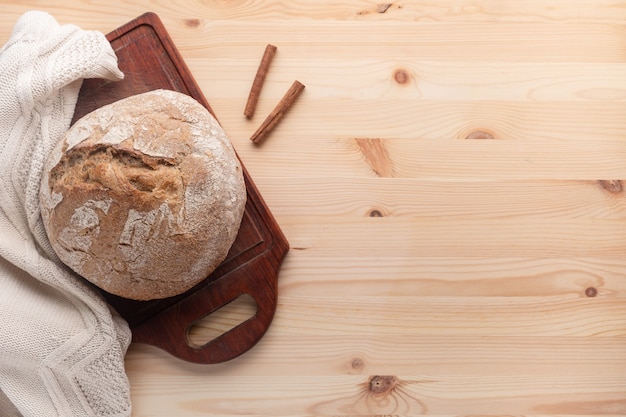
(61, 347)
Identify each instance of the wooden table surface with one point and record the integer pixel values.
(451, 185)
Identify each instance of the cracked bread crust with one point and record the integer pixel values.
(144, 197)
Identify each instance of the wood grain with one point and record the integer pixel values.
(430, 274)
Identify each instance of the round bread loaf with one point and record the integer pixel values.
(144, 197)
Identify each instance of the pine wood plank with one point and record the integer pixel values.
(371, 196)
(417, 393)
(446, 315)
(423, 119)
(438, 160)
(377, 78)
(98, 13)
(440, 41)
(283, 355)
(334, 237)
(420, 276)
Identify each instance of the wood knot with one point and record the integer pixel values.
(479, 134)
(612, 186)
(591, 292)
(401, 76)
(376, 213)
(382, 384)
(357, 363)
(192, 23)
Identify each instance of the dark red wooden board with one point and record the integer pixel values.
(150, 61)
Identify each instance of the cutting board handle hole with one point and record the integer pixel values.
(221, 321)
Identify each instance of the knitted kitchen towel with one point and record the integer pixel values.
(61, 347)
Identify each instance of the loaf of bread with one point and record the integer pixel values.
(144, 197)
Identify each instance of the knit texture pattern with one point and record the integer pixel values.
(61, 347)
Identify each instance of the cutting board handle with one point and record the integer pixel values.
(172, 333)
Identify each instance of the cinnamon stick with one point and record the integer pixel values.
(259, 78)
(279, 111)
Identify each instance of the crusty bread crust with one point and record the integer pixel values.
(144, 197)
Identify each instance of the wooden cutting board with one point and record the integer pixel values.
(150, 61)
